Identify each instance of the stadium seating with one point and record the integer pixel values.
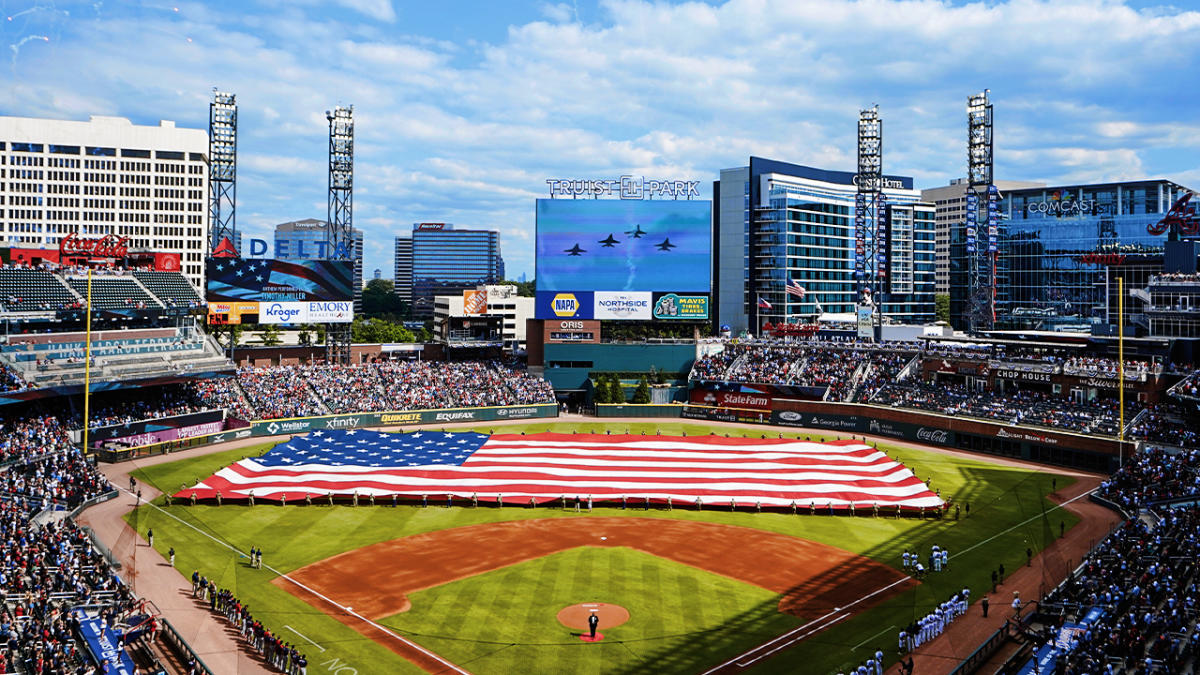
(114, 292)
(171, 288)
(25, 289)
(45, 360)
(298, 391)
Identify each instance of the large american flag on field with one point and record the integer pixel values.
(549, 466)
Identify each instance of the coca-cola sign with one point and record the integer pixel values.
(933, 435)
(108, 246)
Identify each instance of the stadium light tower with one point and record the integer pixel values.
(339, 228)
(222, 169)
(870, 211)
(982, 243)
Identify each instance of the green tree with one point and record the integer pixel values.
(373, 331)
(941, 304)
(642, 393)
(305, 336)
(379, 299)
(269, 335)
(599, 390)
(616, 393)
(525, 289)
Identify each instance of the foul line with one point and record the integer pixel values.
(305, 637)
(319, 595)
(1023, 522)
(872, 637)
(737, 659)
(805, 627)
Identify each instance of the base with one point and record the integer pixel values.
(588, 638)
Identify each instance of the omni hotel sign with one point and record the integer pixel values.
(625, 187)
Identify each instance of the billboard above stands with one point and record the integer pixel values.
(269, 280)
(634, 306)
(306, 312)
(230, 312)
(475, 302)
(671, 306)
(564, 305)
(624, 245)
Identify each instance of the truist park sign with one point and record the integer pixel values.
(624, 187)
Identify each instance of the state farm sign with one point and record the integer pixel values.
(731, 399)
(109, 246)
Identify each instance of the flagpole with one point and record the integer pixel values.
(1121, 369)
(87, 365)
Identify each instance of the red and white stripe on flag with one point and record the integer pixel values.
(548, 466)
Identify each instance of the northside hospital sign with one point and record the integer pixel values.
(625, 187)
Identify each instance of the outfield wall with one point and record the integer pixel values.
(995, 438)
(669, 410)
(302, 425)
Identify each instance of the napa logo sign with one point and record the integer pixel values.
(564, 305)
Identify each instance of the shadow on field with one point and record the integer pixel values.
(1000, 499)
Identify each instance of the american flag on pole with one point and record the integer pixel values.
(763, 304)
(794, 288)
(515, 468)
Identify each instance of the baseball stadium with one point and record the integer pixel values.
(593, 472)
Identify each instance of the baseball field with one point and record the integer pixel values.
(382, 589)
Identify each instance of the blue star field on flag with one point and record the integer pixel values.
(375, 449)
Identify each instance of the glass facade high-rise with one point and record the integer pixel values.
(778, 222)
(446, 261)
(1062, 249)
(402, 269)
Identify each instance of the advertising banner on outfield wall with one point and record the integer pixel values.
(863, 425)
(303, 425)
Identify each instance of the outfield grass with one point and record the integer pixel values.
(504, 621)
(1001, 498)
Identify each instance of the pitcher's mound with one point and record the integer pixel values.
(576, 616)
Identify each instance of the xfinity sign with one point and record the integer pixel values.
(624, 187)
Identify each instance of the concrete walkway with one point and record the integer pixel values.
(151, 577)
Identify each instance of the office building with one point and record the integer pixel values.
(950, 204)
(495, 316)
(107, 177)
(446, 261)
(402, 269)
(777, 222)
(1061, 250)
(308, 240)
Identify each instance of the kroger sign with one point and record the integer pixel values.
(306, 312)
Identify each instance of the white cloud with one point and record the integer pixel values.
(465, 128)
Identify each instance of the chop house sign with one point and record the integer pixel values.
(109, 246)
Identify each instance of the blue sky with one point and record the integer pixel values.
(464, 108)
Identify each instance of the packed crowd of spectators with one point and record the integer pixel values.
(46, 569)
(809, 363)
(1190, 386)
(1166, 423)
(282, 655)
(1027, 407)
(1153, 475)
(298, 391)
(24, 437)
(167, 401)
(10, 380)
(221, 393)
(1142, 577)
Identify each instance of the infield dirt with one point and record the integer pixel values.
(375, 581)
